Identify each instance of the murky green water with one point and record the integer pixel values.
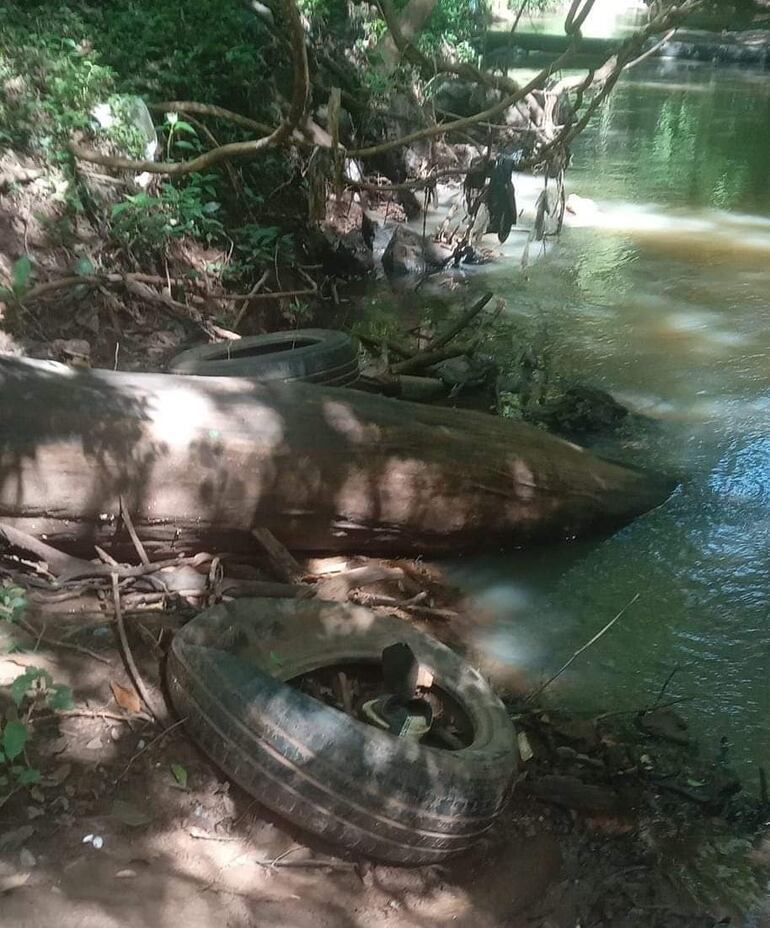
(663, 297)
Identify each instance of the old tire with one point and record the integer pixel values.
(322, 356)
(383, 797)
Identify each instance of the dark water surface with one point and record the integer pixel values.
(662, 296)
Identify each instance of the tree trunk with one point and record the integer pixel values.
(412, 19)
(205, 460)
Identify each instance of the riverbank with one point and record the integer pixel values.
(613, 820)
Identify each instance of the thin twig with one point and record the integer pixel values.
(132, 532)
(150, 744)
(663, 688)
(532, 696)
(58, 643)
(257, 286)
(95, 714)
(306, 864)
(128, 655)
(465, 319)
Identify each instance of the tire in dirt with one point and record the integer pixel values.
(377, 795)
(322, 356)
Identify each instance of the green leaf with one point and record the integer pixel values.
(184, 126)
(20, 274)
(277, 659)
(2, 758)
(118, 208)
(211, 207)
(29, 776)
(129, 814)
(60, 697)
(83, 267)
(5, 294)
(22, 683)
(180, 774)
(14, 739)
(186, 146)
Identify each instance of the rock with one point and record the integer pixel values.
(464, 371)
(665, 725)
(579, 732)
(410, 204)
(463, 98)
(404, 253)
(343, 239)
(580, 411)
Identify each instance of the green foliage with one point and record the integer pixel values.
(13, 602)
(452, 25)
(57, 62)
(36, 687)
(180, 775)
(50, 78)
(143, 223)
(14, 738)
(257, 245)
(30, 690)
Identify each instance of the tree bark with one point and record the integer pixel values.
(203, 461)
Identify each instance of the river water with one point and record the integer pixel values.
(660, 295)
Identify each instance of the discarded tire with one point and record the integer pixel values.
(384, 797)
(311, 355)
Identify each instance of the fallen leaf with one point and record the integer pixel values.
(180, 775)
(59, 775)
(125, 697)
(27, 858)
(129, 814)
(525, 749)
(13, 881)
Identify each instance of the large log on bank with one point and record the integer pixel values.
(202, 460)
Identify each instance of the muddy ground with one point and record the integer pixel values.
(131, 826)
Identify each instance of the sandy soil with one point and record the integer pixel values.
(202, 855)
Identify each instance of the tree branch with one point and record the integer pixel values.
(457, 124)
(278, 136)
(208, 109)
(605, 78)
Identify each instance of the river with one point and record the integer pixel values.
(661, 296)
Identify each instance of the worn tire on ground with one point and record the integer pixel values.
(383, 797)
(322, 356)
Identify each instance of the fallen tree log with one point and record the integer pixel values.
(204, 460)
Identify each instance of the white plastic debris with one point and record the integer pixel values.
(105, 117)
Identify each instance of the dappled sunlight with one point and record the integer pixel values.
(342, 419)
